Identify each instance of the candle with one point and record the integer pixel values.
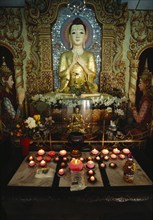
(65, 159)
(39, 158)
(116, 151)
(102, 165)
(32, 163)
(61, 172)
(62, 152)
(122, 156)
(47, 158)
(41, 152)
(63, 164)
(92, 179)
(94, 151)
(43, 163)
(126, 151)
(105, 151)
(90, 158)
(113, 156)
(113, 165)
(82, 159)
(56, 159)
(98, 158)
(90, 172)
(52, 153)
(30, 158)
(90, 164)
(76, 165)
(106, 157)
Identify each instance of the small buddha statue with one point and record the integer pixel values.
(77, 123)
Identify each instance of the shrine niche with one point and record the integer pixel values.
(11, 39)
(141, 39)
(40, 68)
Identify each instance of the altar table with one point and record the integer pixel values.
(26, 176)
(24, 196)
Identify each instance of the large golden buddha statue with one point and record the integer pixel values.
(77, 68)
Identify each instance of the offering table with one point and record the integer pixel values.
(53, 194)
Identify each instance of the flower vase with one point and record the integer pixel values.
(25, 145)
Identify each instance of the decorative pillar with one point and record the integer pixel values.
(18, 66)
(133, 75)
(107, 57)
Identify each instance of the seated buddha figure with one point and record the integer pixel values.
(76, 122)
(77, 67)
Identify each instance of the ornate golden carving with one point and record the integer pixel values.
(113, 18)
(10, 37)
(141, 38)
(39, 18)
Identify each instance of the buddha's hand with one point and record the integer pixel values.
(132, 96)
(81, 61)
(75, 58)
(21, 96)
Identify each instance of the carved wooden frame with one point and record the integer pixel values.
(11, 38)
(140, 40)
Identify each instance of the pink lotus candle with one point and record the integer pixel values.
(126, 151)
(41, 152)
(75, 165)
(61, 172)
(106, 157)
(39, 158)
(116, 151)
(90, 158)
(95, 151)
(102, 165)
(122, 156)
(52, 153)
(65, 159)
(47, 158)
(30, 158)
(113, 165)
(32, 163)
(113, 156)
(56, 159)
(62, 153)
(105, 152)
(90, 164)
(98, 158)
(90, 172)
(43, 163)
(82, 159)
(63, 164)
(92, 179)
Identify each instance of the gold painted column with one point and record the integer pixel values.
(45, 80)
(133, 75)
(106, 75)
(18, 66)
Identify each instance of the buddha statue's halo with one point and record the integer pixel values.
(65, 31)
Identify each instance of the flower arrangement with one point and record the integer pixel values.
(102, 101)
(28, 126)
